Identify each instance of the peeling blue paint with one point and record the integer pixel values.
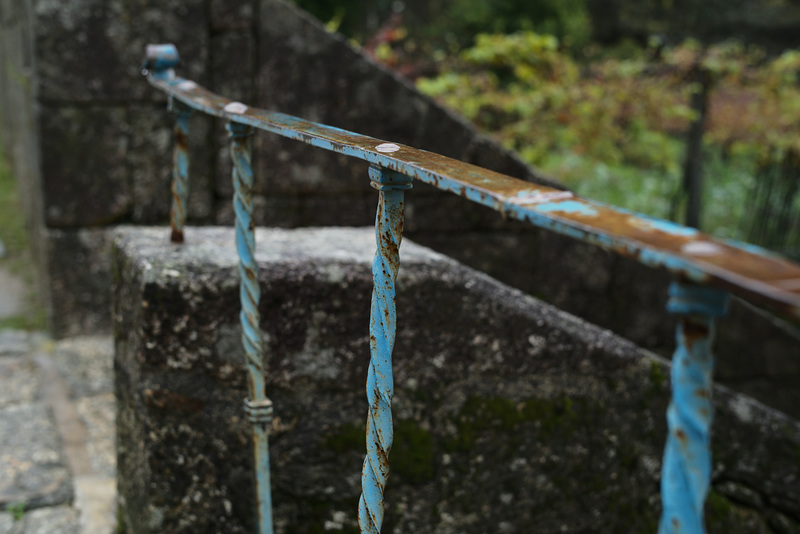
(665, 226)
(568, 206)
(745, 270)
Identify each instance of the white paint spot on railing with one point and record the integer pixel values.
(187, 85)
(701, 248)
(235, 107)
(387, 148)
(537, 197)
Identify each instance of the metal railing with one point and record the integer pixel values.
(706, 271)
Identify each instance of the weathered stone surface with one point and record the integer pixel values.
(104, 146)
(78, 265)
(32, 468)
(508, 413)
(232, 14)
(14, 342)
(149, 158)
(79, 188)
(234, 63)
(55, 520)
(92, 50)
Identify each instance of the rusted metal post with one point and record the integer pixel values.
(180, 168)
(257, 407)
(686, 471)
(383, 323)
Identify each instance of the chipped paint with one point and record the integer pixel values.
(746, 270)
(257, 407)
(180, 169)
(570, 206)
(668, 227)
(538, 197)
(686, 471)
(383, 326)
(718, 266)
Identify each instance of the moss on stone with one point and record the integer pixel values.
(551, 414)
(348, 437)
(657, 375)
(481, 414)
(718, 510)
(412, 453)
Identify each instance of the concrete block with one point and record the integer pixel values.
(149, 159)
(232, 14)
(79, 270)
(81, 189)
(92, 50)
(508, 413)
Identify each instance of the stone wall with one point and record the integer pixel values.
(90, 142)
(96, 144)
(509, 414)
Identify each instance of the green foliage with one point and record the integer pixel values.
(17, 510)
(542, 103)
(566, 19)
(613, 128)
(345, 16)
(12, 223)
(412, 456)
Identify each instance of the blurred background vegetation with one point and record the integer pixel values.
(682, 109)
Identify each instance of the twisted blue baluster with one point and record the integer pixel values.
(258, 407)
(180, 169)
(686, 472)
(383, 320)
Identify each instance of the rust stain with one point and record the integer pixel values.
(163, 399)
(693, 332)
(756, 277)
(682, 437)
(181, 141)
(176, 236)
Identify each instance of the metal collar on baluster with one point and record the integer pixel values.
(388, 180)
(258, 411)
(237, 130)
(692, 299)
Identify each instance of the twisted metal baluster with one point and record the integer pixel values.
(686, 472)
(258, 407)
(180, 169)
(383, 321)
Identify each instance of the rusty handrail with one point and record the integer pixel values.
(750, 272)
(707, 270)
